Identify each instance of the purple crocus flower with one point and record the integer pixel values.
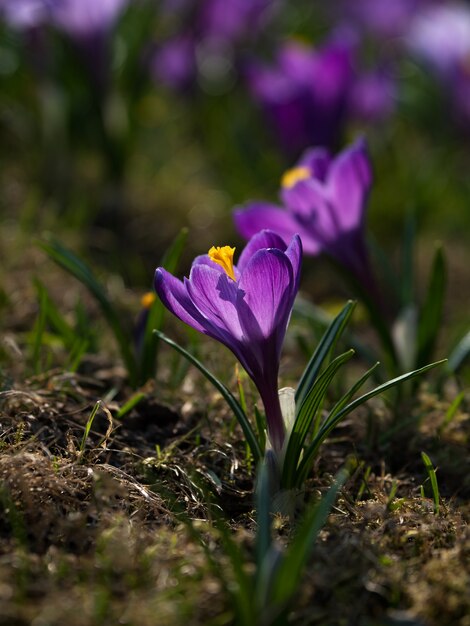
(380, 18)
(440, 38)
(305, 93)
(205, 44)
(83, 19)
(245, 306)
(174, 62)
(24, 14)
(324, 202)
(373, 96)
(88, 24)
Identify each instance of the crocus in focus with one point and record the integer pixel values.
(324, 202)
(245, 306)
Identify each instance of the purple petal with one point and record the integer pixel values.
(307, 200)
(264, 297)
(348, 185)
(215, 296)
(260, 215)
(172, 292)
(262, 239)
(318, 161)
(294, 254)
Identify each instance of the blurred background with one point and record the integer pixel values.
(122, 121)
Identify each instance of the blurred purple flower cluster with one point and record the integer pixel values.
(309, 93)
(80, 19)
(440, 38)
(208, 32)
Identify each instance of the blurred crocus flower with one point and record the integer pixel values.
(440, 38)
(82, 19)
(206, 44)
(245, 306)
(373, 96)
(25, 14)
(324, 202)
(88, 24)
(230, 20)
(305, 93)
(380, 18)
(174, 62)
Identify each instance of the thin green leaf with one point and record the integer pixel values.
(374, 309)
(312, 402)
(54, 317)
(433, 479)
(226, 394)
(333, 420)
(156, 314)
(459, 354)
(407, 273)
(130, 404)
(325, 346)
(75, 266)
(88, 426)
(452, 411)
(431, 313)
(263, 512)
(290, 570)
(342, 402)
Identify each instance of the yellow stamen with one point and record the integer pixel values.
(147, 300)
(295, 175)
(224, 257)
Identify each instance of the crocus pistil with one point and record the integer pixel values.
(294, 175)
(223, 256)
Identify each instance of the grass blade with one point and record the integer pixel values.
(431, 313)
(66, 259)
(407, 269)
(433, 479)
(156, 313)
(333, 420)
(459, 354)
(325, 346)
(263, 513)
(227, 395)
(305, 416)
(54, 317)
(290, 570)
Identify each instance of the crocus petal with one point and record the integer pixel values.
(305, 199)
(264, 239)
(294, 254)
(260, 215)
(348, 184)
(215, 296)
(264, 297)
(318, 161)
(173, 293)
